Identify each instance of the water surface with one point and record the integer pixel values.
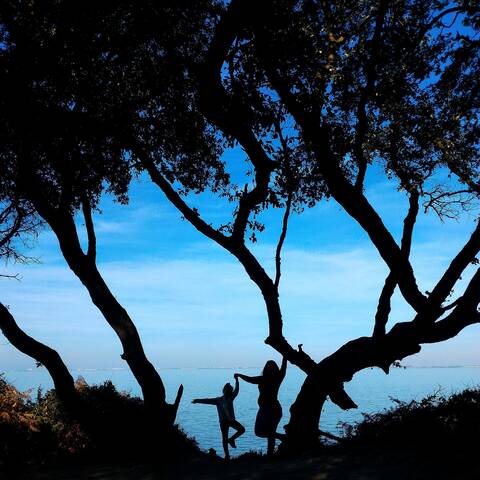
(372, 390)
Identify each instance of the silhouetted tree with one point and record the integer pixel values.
(315, 93)
(61, 67)
(17, 225)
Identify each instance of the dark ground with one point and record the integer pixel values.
(336, 464)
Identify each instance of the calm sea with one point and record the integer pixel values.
(371, 389)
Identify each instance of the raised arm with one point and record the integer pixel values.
(206, 401)
(237, 387)
(246, 378)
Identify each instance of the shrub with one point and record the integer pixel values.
(433, 421)
(106, 424)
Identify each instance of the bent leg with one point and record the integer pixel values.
(240, 430)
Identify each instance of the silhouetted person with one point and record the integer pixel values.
(226, 415)
(270, 411)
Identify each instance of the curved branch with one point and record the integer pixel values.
(63, 381)
(189, 213)
(231, 116)
(249, 262)
(370, 71)
(464, 258)
(384, 302)
(281, 240)
(92, 240)
(63, 225)
(349, 197)
(465, 314)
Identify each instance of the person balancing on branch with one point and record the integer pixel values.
(226, 415)
(270, 410)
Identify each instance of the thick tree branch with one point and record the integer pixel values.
(174, 406)
(251, 265)
(62, 223)
(452, 325)
(189, 213)
(231, 116)
(43, 354)
(353, 201)
(370, 74)
(402, 340)
(384, 303)
(465, 257)
(465, 314)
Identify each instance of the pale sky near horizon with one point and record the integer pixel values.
(195, 306)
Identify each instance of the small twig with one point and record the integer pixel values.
(11, 277)
(451, 305)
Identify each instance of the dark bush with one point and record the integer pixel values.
(432, 422)
(107, 424)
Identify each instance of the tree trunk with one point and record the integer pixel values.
(144, 372)
(329, 376)
(84, 267)
(63, 381)
(302, 430)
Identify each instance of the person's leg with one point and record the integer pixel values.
(277, 417)
(270, 446)
(224, 429)
(240, 430)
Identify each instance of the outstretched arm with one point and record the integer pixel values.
(206, 401)
(246, 378)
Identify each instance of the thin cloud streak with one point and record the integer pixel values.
(327, 298)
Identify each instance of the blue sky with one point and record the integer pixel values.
(195, 306)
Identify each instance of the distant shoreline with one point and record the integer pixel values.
(120, 369)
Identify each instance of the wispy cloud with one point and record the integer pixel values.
(195, 304)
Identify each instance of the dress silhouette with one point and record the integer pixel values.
(270, 410)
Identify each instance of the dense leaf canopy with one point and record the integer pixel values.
(87, 88)
(82, 84)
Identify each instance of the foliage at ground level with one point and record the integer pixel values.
(433, 437)
(107, 425)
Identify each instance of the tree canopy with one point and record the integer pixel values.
(315, 94)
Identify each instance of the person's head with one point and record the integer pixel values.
(270, 368)
(227, 390)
